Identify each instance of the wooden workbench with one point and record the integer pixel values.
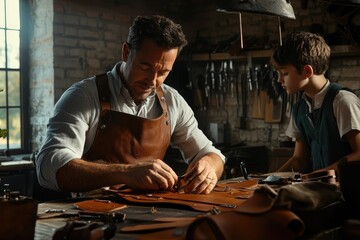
(45, 228)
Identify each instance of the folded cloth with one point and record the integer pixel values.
(307, 196)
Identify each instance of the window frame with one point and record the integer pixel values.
(25, 140)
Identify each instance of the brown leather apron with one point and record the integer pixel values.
(125, 138)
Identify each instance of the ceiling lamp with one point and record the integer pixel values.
(279, 8)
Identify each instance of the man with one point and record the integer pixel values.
(115, 128)
(326, 121)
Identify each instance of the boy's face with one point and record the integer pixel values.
(291, 80)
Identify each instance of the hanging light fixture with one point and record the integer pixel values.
(279, 8)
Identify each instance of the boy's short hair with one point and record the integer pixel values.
(300, 49)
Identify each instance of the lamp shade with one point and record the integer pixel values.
(281, 8)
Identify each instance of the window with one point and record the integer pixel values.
(12, 84)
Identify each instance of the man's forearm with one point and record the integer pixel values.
(79, 175)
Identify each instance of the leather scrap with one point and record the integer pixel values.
(266, 215)
(224, 197)
(275, 224)
(279, 224)
(158, 225)
(99, 206)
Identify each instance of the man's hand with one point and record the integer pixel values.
(203, 174)
(150, 175)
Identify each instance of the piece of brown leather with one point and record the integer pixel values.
(224, 197)
(158, 225)
(275, 224)
(100, 206)
(126, 138)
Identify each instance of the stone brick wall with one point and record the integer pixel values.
(74, 40)
(87, 41)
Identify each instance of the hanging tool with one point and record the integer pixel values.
(213, 84)
(207, 85)
(237, 92)
(259, 95)
(232, 78)
(220, 89)
(244, 80)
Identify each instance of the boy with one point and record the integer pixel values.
(326, 121)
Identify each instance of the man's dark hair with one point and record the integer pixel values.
(162, 30)
(300, 49)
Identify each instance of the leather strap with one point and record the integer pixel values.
(276, 224)
(103, 91)
(100, 206)
(225, 197)
(158, 225)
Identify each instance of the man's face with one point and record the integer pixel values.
(147, 68)
(291, 80)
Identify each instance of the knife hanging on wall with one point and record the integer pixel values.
(275, 102)
(259, 95)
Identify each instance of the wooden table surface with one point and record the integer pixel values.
(135, 215)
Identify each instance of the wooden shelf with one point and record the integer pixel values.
(336, 51)
(227, 56)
